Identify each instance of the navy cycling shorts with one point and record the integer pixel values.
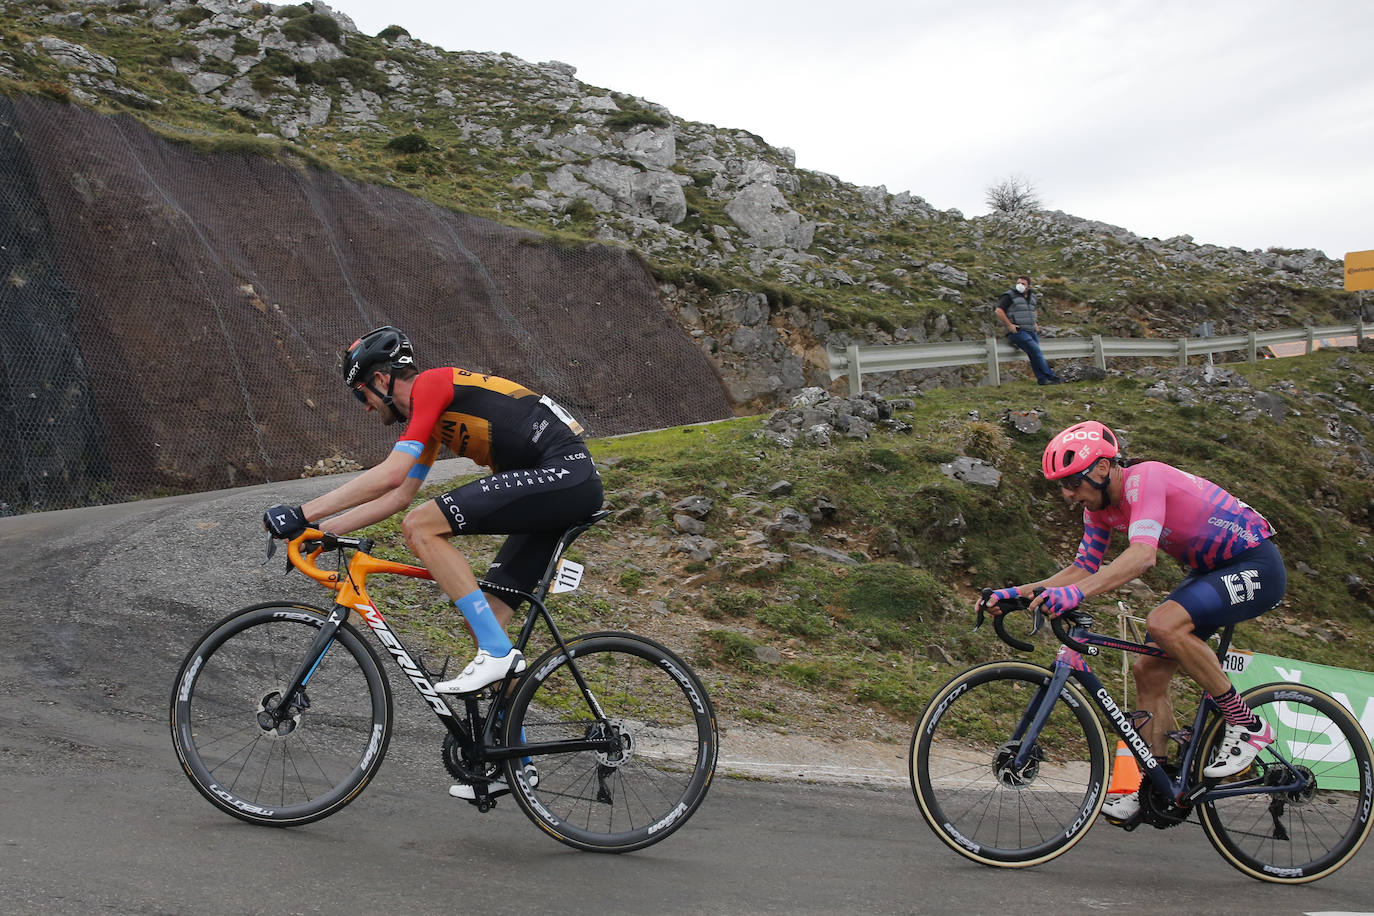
(533, 505)
(1243, 587)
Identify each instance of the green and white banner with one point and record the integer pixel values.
(1305, 740)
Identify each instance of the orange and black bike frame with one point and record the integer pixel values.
(349, 583)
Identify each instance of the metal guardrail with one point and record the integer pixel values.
(857, 361)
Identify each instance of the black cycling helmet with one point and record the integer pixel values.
(381, 350)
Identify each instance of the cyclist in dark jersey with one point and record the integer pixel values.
(543, 480)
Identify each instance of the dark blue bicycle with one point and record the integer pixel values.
(1010, 765)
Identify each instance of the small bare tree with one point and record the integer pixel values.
(1013, 194)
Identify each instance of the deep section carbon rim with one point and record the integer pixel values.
(660, 735)
(269, 765)
(968, 786)
(1305, 832)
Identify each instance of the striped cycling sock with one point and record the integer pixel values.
(1236, 712)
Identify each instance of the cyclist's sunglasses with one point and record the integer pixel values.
(358, 393)
(1072, 482)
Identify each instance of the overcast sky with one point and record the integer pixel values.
(1238, 123)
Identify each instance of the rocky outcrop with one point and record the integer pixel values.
(159, 300)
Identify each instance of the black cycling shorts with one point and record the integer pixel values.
(533, 505)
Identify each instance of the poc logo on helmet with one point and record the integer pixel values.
(1076, 435)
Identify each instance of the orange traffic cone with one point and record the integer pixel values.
(1125, 772)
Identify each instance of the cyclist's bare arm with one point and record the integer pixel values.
(377, 493)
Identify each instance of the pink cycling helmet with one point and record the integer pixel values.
(1078, 448)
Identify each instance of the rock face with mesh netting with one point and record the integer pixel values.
(173, 321)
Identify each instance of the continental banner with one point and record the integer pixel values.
(1352, 689)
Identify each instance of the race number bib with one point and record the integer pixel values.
(561, 414)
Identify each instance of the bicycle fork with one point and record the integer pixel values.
(292, 700)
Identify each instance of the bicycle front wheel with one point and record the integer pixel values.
(652, 708)
(270, 766)
(1307, 831)
(964, 773)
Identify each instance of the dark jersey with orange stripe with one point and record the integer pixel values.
(490, 420)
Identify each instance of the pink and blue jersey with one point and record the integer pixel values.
(1188, 517)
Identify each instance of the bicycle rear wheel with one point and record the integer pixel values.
(1296, 836)
(664, 729)
(963, 773)
(309, 764)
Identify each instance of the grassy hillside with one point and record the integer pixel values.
(852, 643)
(488, 133)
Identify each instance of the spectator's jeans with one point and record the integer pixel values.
(1029, 341)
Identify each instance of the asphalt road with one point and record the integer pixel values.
(100, 604)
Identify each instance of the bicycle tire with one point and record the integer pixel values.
(614, 803)
(1297, 837)
(964, 789)
(311, 765)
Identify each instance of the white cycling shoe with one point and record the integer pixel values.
(1238, 749)
(466, 792)
(484, 670)
(1122, 807)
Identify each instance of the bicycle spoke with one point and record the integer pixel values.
(964, 775)
(663, 732)
(1299, 835)
(303, 765)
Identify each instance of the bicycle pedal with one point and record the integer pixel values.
(1129, 824)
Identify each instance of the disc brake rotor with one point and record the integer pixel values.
(1005, 771)
(273, 722)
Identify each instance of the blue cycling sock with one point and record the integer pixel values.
(524, 761)
(488, 630)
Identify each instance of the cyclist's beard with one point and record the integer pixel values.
(391, 413)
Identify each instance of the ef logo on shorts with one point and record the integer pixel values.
(1242, 586)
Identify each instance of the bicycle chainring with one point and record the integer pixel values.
(1158, 811)
(461, 769)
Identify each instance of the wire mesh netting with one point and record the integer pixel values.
(171, 321)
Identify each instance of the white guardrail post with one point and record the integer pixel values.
(855, 375)
(994, 372)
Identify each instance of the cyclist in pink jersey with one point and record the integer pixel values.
(1235, 572)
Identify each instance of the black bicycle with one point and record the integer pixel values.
(1010, 765)
(281, 714)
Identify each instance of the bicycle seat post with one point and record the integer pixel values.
(541, 590)
(1224, 645)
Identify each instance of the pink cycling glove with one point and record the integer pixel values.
(1061, 599)
(1002, 594)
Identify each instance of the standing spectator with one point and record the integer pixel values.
(1016, 310)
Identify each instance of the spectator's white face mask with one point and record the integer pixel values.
(1020, 287)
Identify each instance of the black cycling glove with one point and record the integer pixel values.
(284, 521)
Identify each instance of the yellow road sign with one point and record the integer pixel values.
(1359, 270)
